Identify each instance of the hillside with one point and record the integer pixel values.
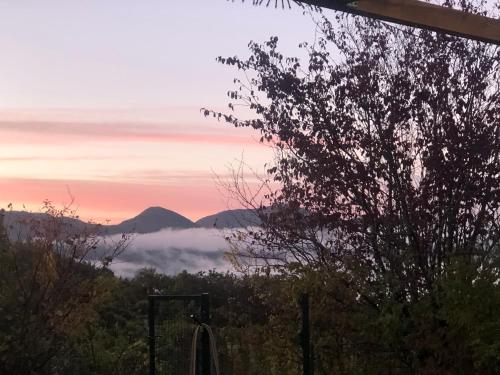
(151, 220)
(20, 224)
(240, 218)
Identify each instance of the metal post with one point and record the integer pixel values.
(305, 335)
(205, 339)
(152, 336)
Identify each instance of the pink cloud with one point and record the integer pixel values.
(179, 114)
(61, 132)
(63, 158)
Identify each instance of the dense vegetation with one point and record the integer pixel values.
(64, 315)
(79, 318)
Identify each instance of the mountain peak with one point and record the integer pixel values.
(156, 210)
(153, 219)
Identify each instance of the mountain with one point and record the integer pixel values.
(240, 218)
(151, 220)
(22, 224)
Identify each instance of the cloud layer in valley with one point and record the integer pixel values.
(173, 251)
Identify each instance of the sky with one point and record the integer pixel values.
(100, 102)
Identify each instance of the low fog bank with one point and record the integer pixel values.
(171, 251)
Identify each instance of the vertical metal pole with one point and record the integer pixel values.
(311, 368)
(152, 334)
(305, 335)
(205, 339)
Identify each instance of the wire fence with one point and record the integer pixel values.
(174, 319)
(172, 322)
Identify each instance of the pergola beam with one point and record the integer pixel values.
(422, 15)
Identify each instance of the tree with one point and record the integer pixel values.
(49, 285)
(388, 158)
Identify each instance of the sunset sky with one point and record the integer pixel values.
(100, 100)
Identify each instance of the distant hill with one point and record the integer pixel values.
(240, 218)
(151, 220)
(21, 224)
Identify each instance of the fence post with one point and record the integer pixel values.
(305, 336)
(152, 334)
(205, 339)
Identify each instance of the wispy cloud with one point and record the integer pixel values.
(167, 177)
(180, 115)
(65, 158)
(54, 132)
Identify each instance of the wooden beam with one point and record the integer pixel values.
(421, 14)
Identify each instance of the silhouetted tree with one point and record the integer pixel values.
(388, 158)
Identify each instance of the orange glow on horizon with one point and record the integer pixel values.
(110, 201)
(116, 164)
